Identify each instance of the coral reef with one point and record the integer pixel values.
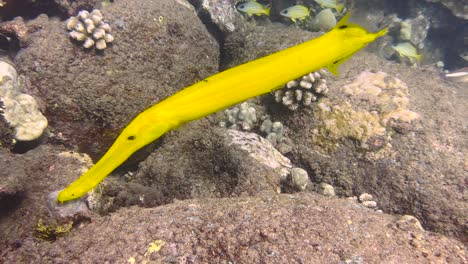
(90, 29)
(19, 110)
(242, 117)
(303, 91)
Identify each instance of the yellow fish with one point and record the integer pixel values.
(331, 4)
(222, 90)
(295, 12)
(254, 8)
(407, 49)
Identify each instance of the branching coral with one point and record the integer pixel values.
(90, 29)
(242, 117)
(274, 131)
(303, 91)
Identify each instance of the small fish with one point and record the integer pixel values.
(406, 49)
(254, 8)
(295, 12)
(459, 76)
(331, 4)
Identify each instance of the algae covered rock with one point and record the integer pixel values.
(162, 47)
(380, 139)
(25, 183)
(197, 163)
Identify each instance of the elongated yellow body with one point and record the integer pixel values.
(223, 90)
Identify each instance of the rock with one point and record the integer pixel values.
(243, 46)
(299, 179)
(73, 7)
(304, 227)
(327, 189)
(75, 210)
(199, 163)
(158, 49)
(28, 179)
(408, 222)
(370, 204)
(12, 176)
(415, 30)
(365, 197)
(222, 13)
(459, 8)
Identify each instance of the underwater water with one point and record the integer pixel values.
(223, 131)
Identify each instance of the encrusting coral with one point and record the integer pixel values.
(19, 110)
(303, 91)
(379, 101)
(90, 29)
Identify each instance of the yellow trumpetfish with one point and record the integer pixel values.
(222, 90)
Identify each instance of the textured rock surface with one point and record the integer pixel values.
(271, 228)
(26, 180)
(12, 177)
(252, 43)
(222, 13)
(71, 7)
(199, 163)
(160, 47)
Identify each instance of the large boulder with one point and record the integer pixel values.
(196, 162)
(160, 47)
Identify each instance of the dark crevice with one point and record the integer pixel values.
(212, 28)
(28, 9)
